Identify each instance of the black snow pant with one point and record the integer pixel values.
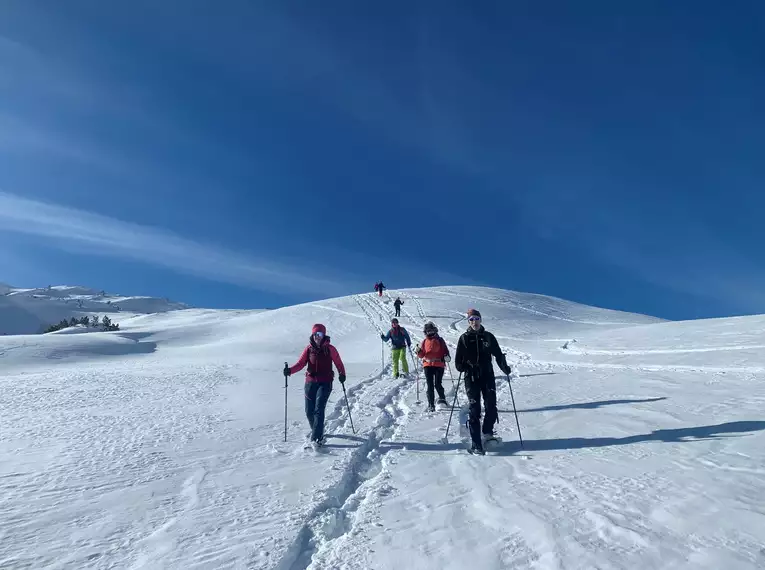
(316, 397)
(398, 310)
(477, 384)
(433, 377)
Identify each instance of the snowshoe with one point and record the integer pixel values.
(430, 408)
(491, 441)
(442, 404)
(315, 444)
(474, 450)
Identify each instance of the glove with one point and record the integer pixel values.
(507, 369)
(382, 337)
(447, 358)
(341, 378)
(417, 348)
(287, 371)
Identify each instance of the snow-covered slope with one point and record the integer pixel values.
(161, 445)
(29, 311)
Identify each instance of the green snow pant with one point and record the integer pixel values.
(399, 354)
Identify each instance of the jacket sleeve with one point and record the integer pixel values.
(459, 357)
(408, 340)
(300, 364)
(386, 337)
(497, 352)
(336, 359)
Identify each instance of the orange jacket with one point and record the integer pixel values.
(432, 351)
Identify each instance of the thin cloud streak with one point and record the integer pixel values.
(68, 228)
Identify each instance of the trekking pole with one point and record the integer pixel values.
(514, 410)
(349, 407)
(456, 390)
(452, 377)
(416, 375)
(285, 403)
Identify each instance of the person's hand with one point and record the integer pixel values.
(342, 378)
(287, 371)
(447, 358)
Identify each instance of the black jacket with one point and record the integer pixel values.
(474, 352)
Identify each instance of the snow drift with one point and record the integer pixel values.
(161, 445)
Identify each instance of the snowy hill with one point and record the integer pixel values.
(29, 311)
(161, 445)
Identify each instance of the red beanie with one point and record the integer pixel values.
(473, 313)
(319, 328)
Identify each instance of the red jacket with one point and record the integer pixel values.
(432, 351)
(319, 359)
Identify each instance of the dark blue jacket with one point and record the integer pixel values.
(397, 340)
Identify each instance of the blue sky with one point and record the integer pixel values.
(251, 154)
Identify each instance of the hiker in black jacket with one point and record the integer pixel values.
(474, 351)
(397, 304)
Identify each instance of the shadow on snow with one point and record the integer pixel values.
(677, 435)
(585, 405)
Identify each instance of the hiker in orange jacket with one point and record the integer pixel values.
(434, 354)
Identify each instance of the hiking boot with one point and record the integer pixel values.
(477, 446)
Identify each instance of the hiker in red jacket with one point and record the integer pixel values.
(434, 354)
(319, 356)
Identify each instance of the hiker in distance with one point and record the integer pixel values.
(397, 305)
(379, 287)
(434, 354)
(319, 355)
(475, 348)
(400, 341)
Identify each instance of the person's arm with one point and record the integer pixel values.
(336, 359)
(459, 357)
(497, 352)
(302, 361)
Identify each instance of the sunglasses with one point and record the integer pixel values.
(318, 334)
(474, 319)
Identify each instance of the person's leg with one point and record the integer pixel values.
(489, 390)
(322, 396)
(438, 376)
(310, 402)
(404, 361)
(395, 354)
(429, 377)
(473, 391)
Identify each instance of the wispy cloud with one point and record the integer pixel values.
(23, 138)
(73, 229)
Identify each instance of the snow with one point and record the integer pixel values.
(161, 445)
(30, 311)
